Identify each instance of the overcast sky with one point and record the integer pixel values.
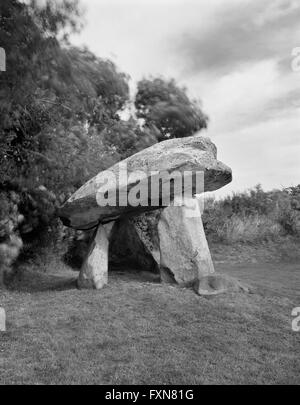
(235, 55)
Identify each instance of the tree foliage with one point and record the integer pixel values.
(127, 137)
(165, 105)
(50, 94)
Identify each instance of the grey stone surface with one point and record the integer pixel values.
(184, 252)
(193, 154)
(216, 284)
(94, 271)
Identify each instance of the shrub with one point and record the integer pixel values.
(253, 216)
(252, 228)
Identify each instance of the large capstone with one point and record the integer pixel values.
(191, 155)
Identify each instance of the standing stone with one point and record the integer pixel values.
(2, 320)
(94, 271)
(146, 229)
(184, 252)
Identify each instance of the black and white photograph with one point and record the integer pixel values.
(149, 195)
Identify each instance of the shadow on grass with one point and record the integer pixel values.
(132, 273)
(34, 280)
(31, 281)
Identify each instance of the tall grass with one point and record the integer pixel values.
(248, 229)
(253, 216)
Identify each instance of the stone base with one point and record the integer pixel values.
(216, 284)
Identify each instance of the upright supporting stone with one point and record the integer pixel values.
(94, 271)
(184, 252)
(2, 320)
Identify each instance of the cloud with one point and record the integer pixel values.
(282, 104)
(235, 55)
(267, 153)
(241, 33)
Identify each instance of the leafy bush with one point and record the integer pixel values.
(253, 216)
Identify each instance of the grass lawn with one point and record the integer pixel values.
(136, 331)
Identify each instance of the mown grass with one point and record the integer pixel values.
(140, 332)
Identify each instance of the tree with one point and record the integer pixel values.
(128, 138)
(55, 102)
(166, 106)
(49, 89)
